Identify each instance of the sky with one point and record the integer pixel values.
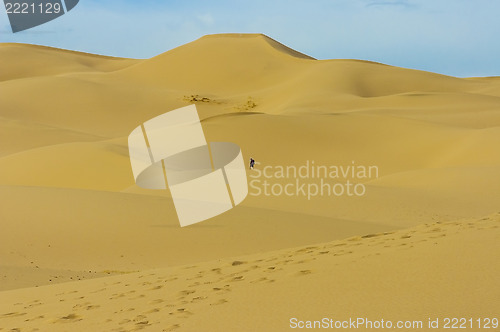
(452, 37)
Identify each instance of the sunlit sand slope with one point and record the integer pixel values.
(70, 209)
(434, 270)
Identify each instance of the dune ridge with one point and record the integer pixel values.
(25, 60)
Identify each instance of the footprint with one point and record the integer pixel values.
(172, 327)
(116, 296)
(156, 287)
(235, 263)
(221, 301)
(69, 318)
(171, 279)
(369, 236)
(263, 279)
(13, 314)
(181, 312)
(98, 291)
(306, 260)
(141, 319)
(238, 278)
(35, 318)
(190, 267)
(307, 249)
(138, 297)
(225, 289)
(186, 292)
(198, 298)
(124, 321)
(92, 307)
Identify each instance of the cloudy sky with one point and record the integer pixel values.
(453, 37)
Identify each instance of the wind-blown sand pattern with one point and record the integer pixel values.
(423, 242)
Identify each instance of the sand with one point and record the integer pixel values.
(82, 248)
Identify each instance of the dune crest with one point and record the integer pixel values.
(274, 43)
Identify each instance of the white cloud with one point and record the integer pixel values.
(206, 19)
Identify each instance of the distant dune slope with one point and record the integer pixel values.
(22, 61)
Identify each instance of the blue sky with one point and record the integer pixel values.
(453, 37)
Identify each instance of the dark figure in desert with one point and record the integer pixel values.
(252, 163)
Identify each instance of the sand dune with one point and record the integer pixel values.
(23, 61)
(376, 276)
(76, 230)
(70, 208)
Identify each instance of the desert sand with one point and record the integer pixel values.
(82, 248)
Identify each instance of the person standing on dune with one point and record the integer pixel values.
(252, 163)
